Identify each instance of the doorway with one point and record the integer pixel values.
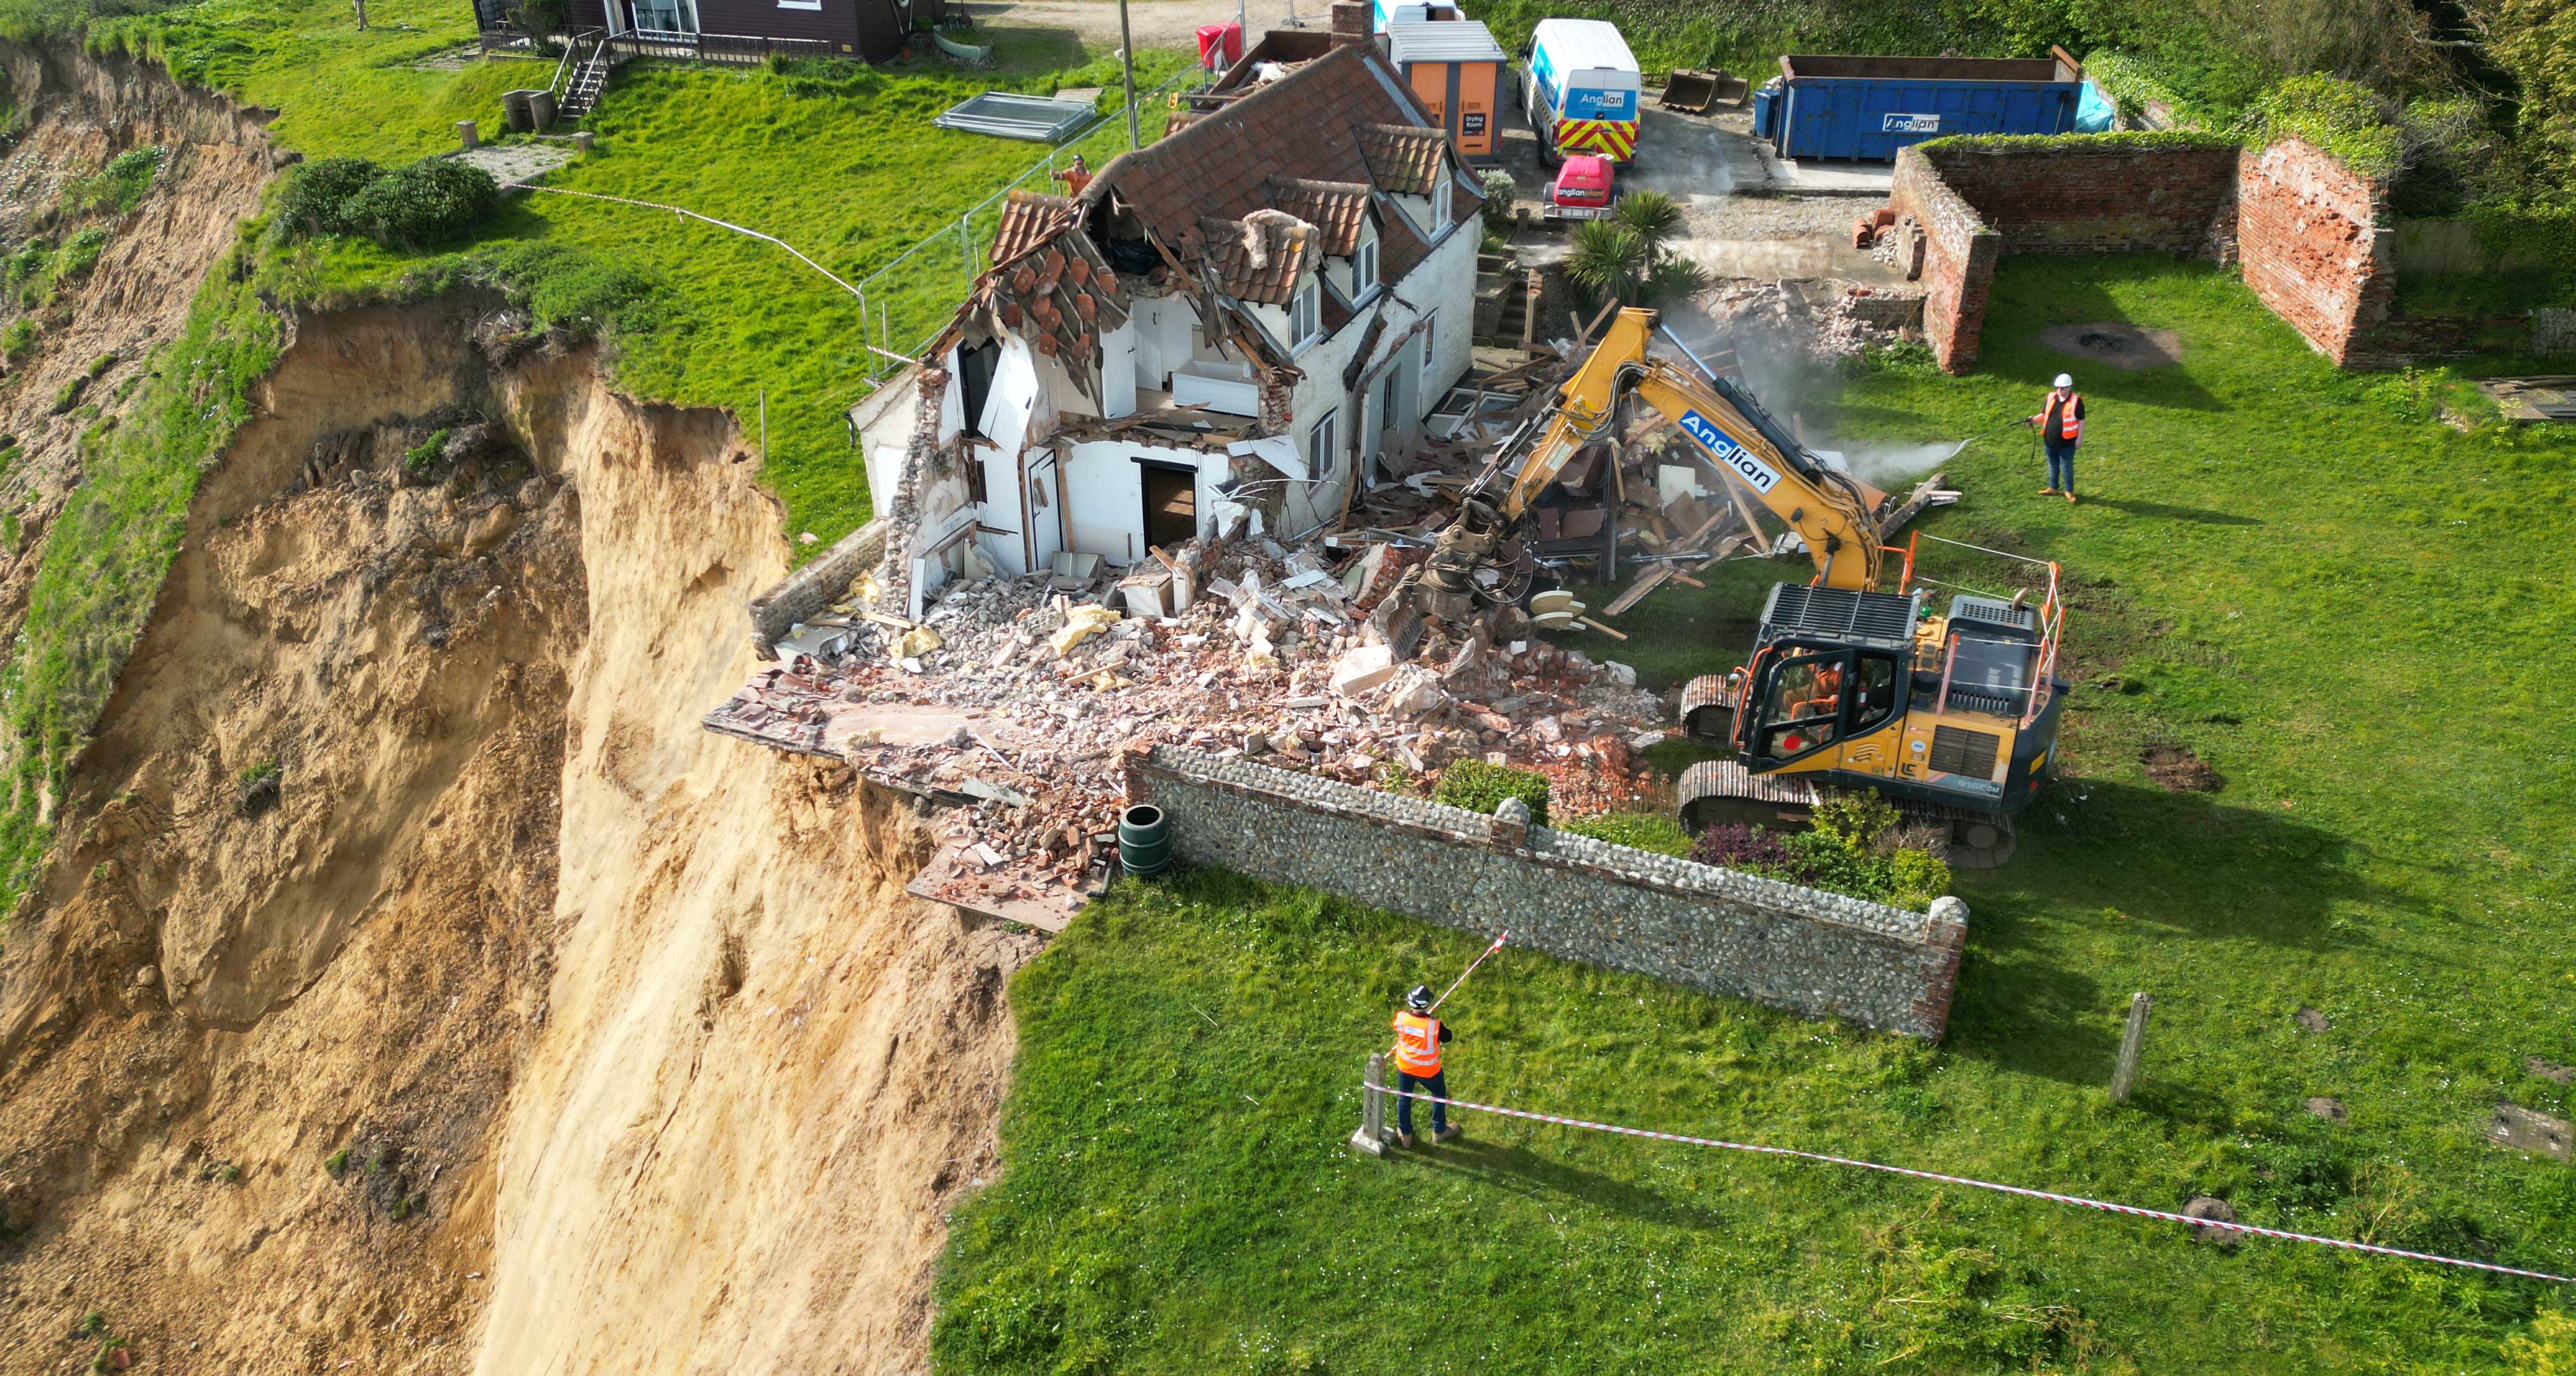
(1171, 505)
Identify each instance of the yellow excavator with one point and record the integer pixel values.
(1950, 711)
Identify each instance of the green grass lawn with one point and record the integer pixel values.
(836, 158)
(2349, 609)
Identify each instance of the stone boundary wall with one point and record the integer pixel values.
(2306, 230)
(1813, 953)
(803, 594)
(2317, 246)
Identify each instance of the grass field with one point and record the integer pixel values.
(837, 158)
(2346, 607)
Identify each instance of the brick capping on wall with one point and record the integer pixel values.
(2314, 240)
(1715, 930)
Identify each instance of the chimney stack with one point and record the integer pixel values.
(1351, 23)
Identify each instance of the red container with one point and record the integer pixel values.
(1220, 45)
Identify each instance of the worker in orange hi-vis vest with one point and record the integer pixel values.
(1418, 1039)
(2061, 428)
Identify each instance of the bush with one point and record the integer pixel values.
(34, 258)
(1640, 830)
(432, 201)
(1500, 189)
(117, 187)
(568, 289)
(423, 457)
(1481, 787)
(1860, 846)
(2341, 117)
(80, 253)
(317, 199)
(19, 340)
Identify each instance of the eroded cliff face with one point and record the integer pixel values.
(399, 839)
(71, 114)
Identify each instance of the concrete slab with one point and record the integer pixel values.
(1816, 177)
(516, 162)
(962, 883)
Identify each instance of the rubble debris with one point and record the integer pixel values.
(1022, 693)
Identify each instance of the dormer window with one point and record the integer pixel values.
(1363, 267)
(1440, 200)
(1306, 314)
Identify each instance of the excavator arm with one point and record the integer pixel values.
(1831, 511)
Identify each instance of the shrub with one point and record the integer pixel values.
(1856, 819)
(70, 394)
(98, 366)
(318, 197)
(1481, 787)
(337, 1163)
(80, 253)
(432, 201)
(33, 259)
(1860, 846)
(1738, 846)
(2341, 117)
(1500, 190)
(1640, 830)
(19, 340)
(423, 457)
(255, 787)
(117, 187)
(567, 289)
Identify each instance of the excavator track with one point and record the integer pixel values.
(1721, 791)
(1708, 712)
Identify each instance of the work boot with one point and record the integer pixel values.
(1445, 1135)
(1404, 1139)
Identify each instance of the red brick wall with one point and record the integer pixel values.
(2308, 232)
(2305, 229)
(1958, 259)
(2079, 199)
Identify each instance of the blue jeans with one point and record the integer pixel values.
(2061, 465)
(1437, 1086)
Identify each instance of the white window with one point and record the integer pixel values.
(1430, 350)
(1440, 200)
(1363, 268)
(1305, 315)
(1321, 451)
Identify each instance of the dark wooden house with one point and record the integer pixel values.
(870, 29)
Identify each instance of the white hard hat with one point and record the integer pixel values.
(2065, 380)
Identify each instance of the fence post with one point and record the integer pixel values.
(966, 244)
(2124, 1076)
(1371, 1138)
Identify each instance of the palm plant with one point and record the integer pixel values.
(1624, 258)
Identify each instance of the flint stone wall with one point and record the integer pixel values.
(1803, 950)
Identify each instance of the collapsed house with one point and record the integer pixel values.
(1219, 333)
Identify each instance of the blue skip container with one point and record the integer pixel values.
(1866, 108)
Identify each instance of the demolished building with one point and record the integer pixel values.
(1222, 331)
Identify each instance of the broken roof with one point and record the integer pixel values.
(1257, 258)
(1312, 125)
(1336, 209)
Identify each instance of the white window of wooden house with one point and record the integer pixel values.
(1363, 268)
(1430, 350)
(1440, 200)
(1306, 314)
(1320, 448)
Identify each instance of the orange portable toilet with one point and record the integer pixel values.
(1456, 69)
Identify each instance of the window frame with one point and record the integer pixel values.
(1322, 448)
(1440, 197)
(1430, 347)
(1364, 278)
(1308, 303)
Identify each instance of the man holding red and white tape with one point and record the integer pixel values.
(1418, 1039)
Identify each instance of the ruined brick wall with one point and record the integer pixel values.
(2310, 236)
(2084, 198)
(1958, 259)
(1803, 950)
(2306, 230)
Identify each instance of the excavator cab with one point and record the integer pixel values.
(1811, 696)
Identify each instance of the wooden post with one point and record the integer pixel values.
(2124, 1077)
(1371, 1138)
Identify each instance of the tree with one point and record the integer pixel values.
(1625, 258)
(2535, 41)
(2549, 1349)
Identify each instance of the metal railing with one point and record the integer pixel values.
(739, 49)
